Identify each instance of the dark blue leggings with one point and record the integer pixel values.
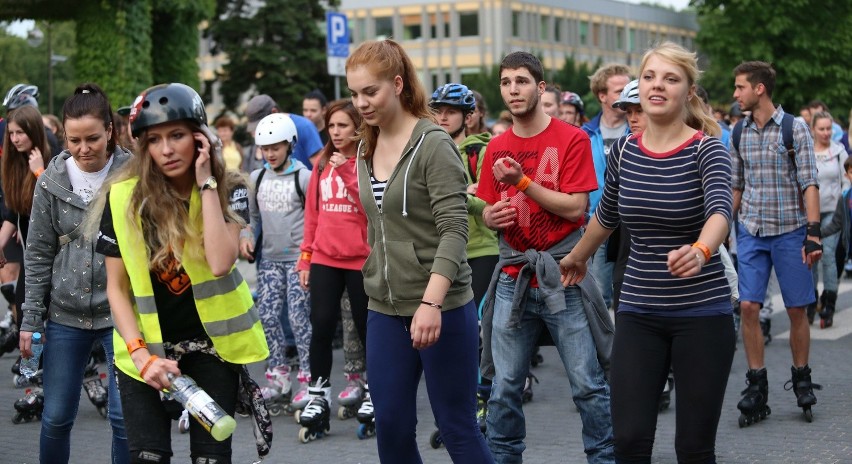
(451, 367)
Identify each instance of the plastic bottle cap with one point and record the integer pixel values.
(37, 337)
(223, 428)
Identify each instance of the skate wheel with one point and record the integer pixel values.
(102, 410)
(344, 412)
(363, 432)
(435, 439)
(297, 414)
(17, 418)
(743, 420)
(809, 415)
(274, 410)
(305, 435)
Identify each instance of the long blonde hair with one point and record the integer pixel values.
(166, 226)
(386, 59)
(696, 115)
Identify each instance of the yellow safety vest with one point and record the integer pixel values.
(224, 304)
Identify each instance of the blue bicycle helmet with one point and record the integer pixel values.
(457, 95)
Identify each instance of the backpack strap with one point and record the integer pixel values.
(787, 135)
(299, 190)
(736, 134)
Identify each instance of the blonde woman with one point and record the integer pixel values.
(675, 303)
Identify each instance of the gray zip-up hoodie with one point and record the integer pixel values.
(421, 228)
(277, 209)
(59, 260)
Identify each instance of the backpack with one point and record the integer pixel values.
(258, 244)
(786, 135)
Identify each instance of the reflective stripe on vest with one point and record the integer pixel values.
(224, 304)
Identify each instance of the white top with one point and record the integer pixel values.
(86, 184)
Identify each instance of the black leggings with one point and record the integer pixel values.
(326, 286)
(481, 269)
(700, 351)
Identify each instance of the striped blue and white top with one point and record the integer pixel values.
(379, 187)
(664, 199)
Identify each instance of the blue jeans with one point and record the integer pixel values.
(827, 265)
(511, 348)
(601, 270)
(66, 353)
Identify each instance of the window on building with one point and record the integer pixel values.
(558, 25)
(544, 28)
(384, 27)
(619, 38)
(596, 35)
(516, 24)
(631, 41)
(445, 19)
(469, 24)
(411, 27)
(584, 33)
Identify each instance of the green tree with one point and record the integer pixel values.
(807, 43)
(487, 83)
(174, 39)
(278, 48)
(574, 76)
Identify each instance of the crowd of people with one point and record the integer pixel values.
(640, 242)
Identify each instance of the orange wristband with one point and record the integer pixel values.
(38, 172)
(523, 183)
(136, 344)
(704, 249)
(148, 363)
(305, 256)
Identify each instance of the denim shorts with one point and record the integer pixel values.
(756, 256)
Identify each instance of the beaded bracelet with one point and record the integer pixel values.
(148, 363)
(704, 249)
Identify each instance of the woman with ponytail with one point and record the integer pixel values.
(61, 266)
(671, 188)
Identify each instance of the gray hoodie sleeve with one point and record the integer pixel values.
(42, 244)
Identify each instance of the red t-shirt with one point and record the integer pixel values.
(560, 159)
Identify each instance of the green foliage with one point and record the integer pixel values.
(487, 83)
(809, 45)
(174, 39)
(277, 47)
(114, 46)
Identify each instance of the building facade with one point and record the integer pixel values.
(447, 38)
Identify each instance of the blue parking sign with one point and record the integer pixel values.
(337, 42)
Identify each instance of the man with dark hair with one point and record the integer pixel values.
(313, 107)
(777, 215)
(603, 130)
(550, 100)
(535, 180)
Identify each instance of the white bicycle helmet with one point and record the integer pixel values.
(277, 127)
(629, 96)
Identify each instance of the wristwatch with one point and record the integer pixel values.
(209, 184)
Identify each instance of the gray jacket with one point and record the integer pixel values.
(543, 265)
(59, 260)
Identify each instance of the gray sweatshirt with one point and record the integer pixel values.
(277, 209)
(59, 260)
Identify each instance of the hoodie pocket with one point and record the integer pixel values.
(374, 282)
(406, 275)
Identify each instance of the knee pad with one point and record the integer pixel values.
(149, 457)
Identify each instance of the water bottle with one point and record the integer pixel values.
(29, 366)
(202, 407)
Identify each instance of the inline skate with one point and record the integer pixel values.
(351, 397)
(29, 407)
(21, 381)
(94, 387)
(803, 388)
(527, 393)
(315, 417)
(276, 393)
(482, 395)
(366, 416)
(9, 340)
(826, 315)
(753, 406)
(301, 397)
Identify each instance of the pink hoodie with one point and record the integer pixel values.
(335, 223)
